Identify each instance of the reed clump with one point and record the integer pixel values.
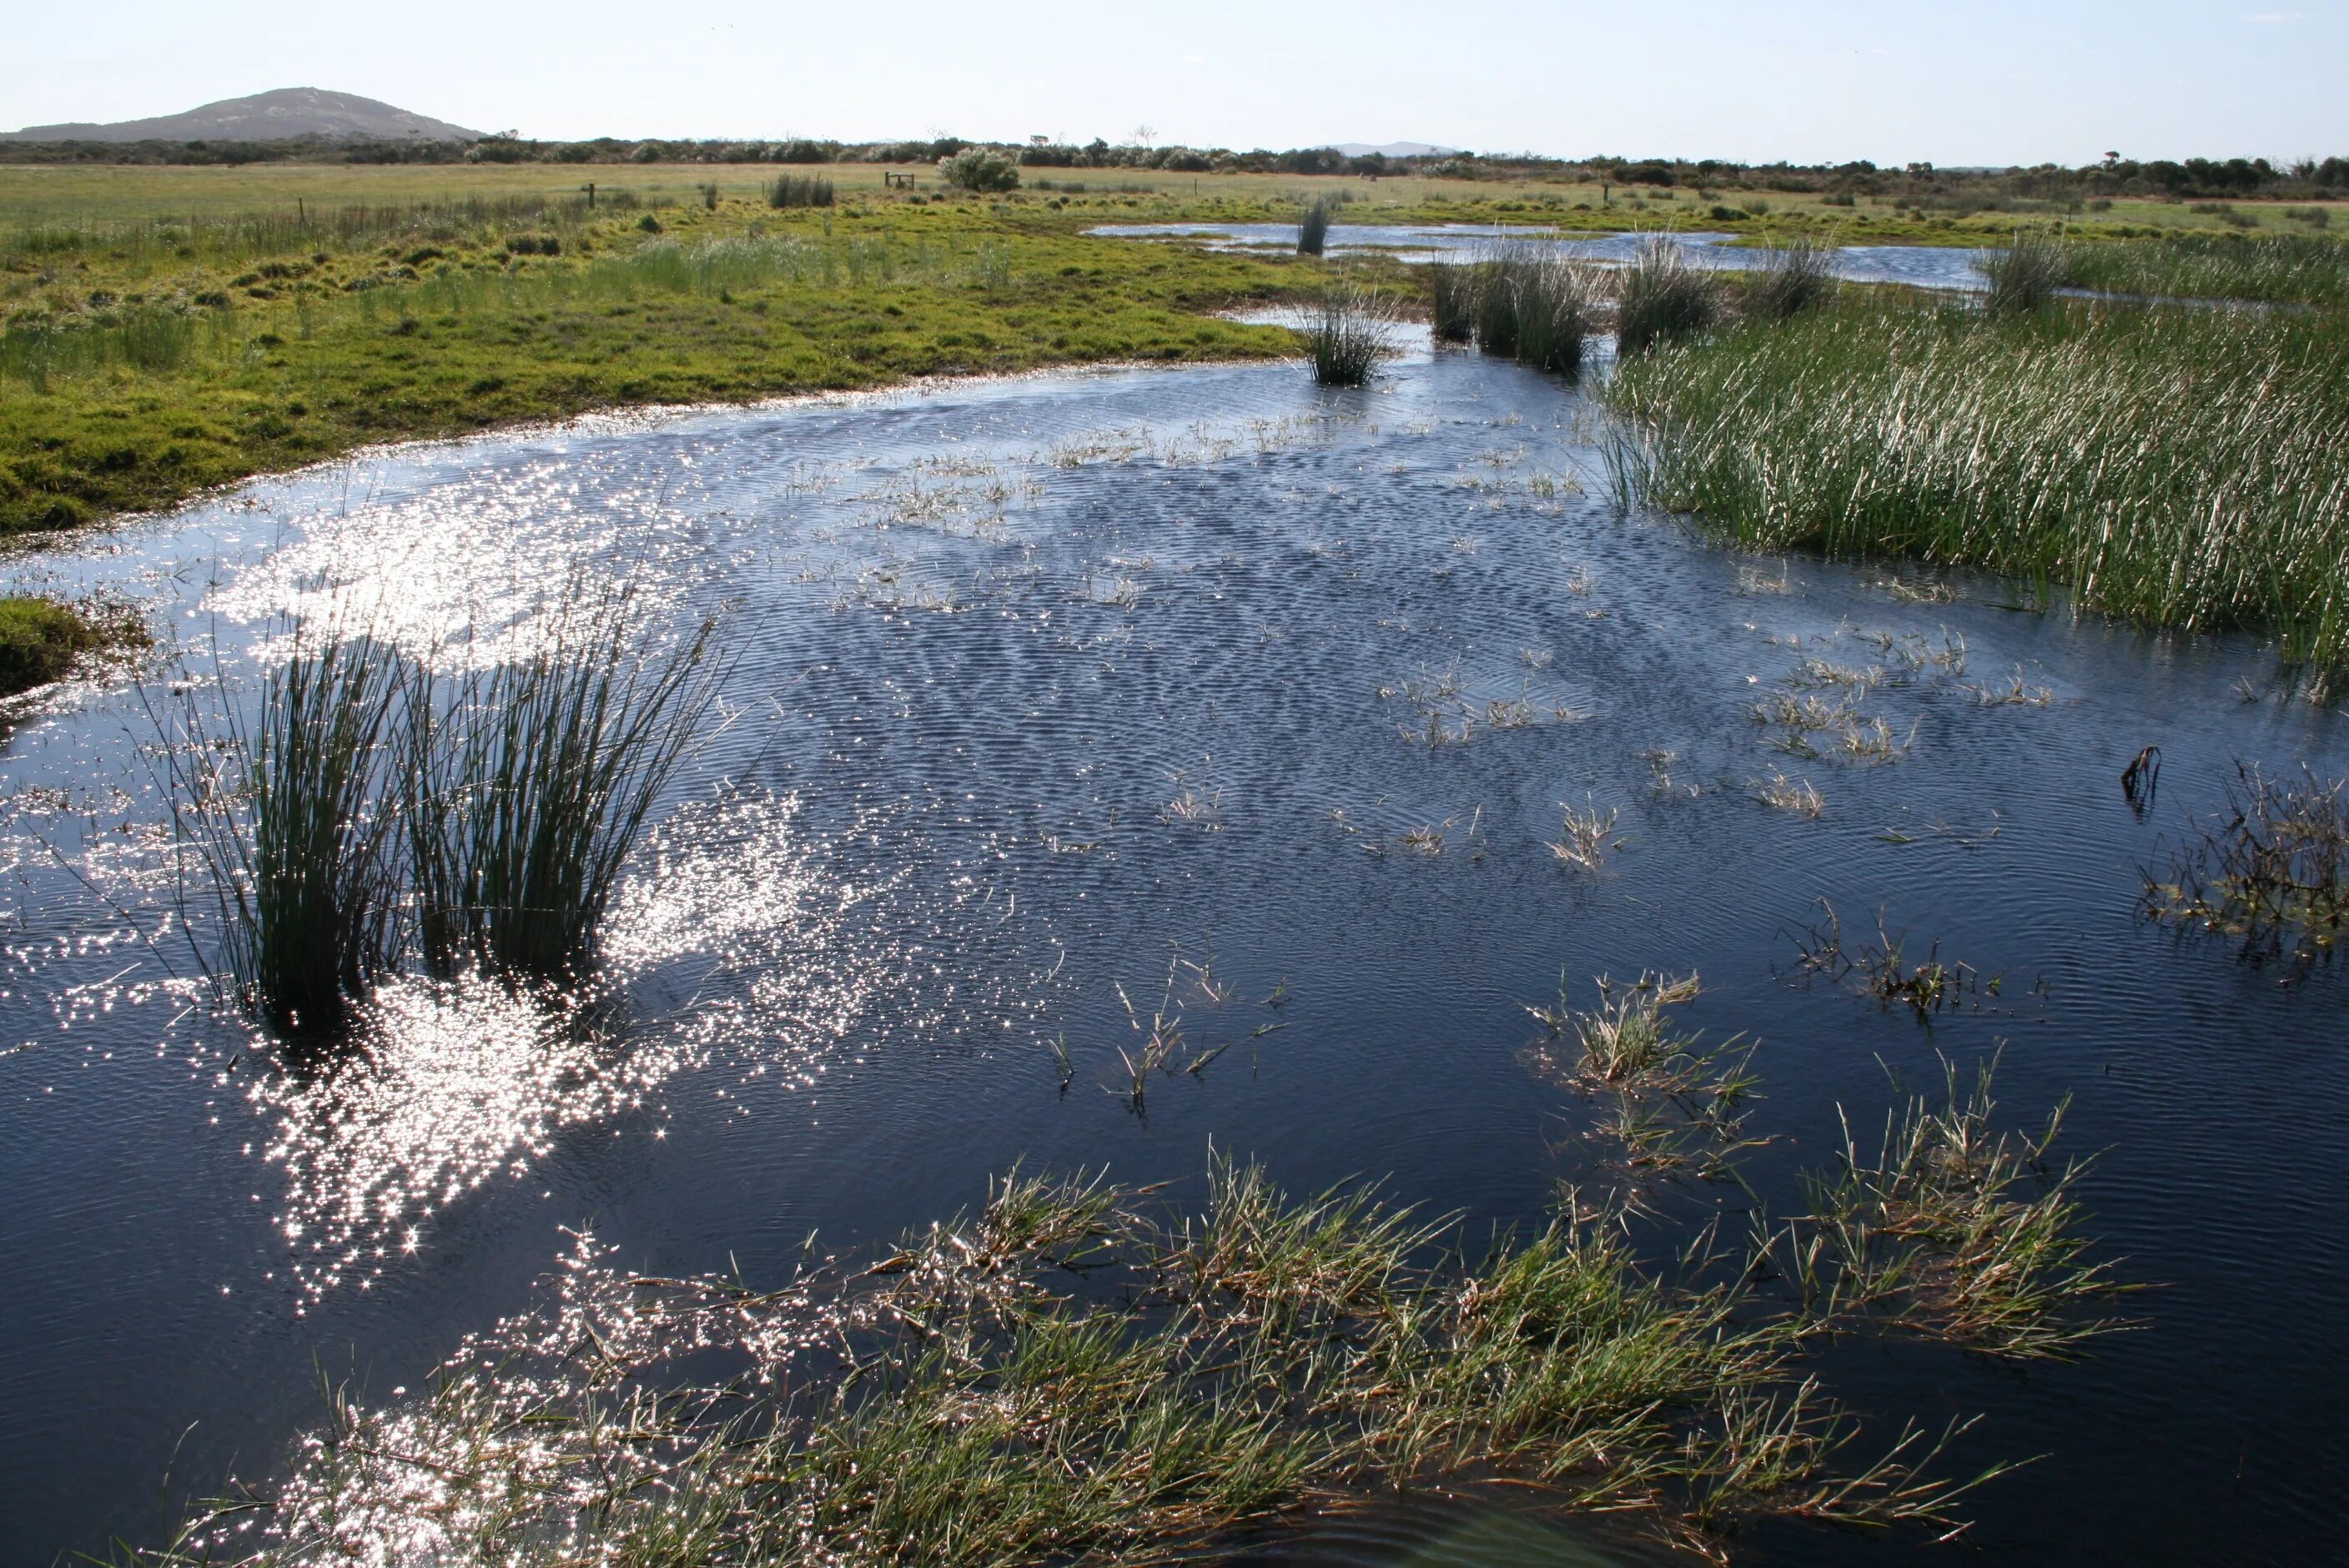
(1799, 277)
(1347, 330)
(371, 807)
(1521, 302)
(2024, 276)
(527, 784)
(799, 190)
(289, 813)
(2179, 467)
(2284, 269)
(1313, 229)
(1661, 297)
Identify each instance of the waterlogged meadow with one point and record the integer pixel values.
(1283, 962)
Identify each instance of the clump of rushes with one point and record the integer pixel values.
(288, 815)
(2024, 276)
(1662, 298)
(1454, 300)
(2302, 269)
(1313, 229)
(2273, 868)
(371, 800)
(1063, 1377)
(1518, 301)
(1349, 330)
(2181, 467)
(1800, 277)
(799, 190)
(41, 639)
(529, 783)
(1555, 302)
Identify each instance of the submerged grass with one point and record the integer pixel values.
(2177, 467)
(42, 639)
(2273, 868)
(1959, 1232)
(1068, 1376)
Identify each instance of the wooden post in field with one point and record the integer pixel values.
(591, 195)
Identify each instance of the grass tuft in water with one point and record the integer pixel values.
(1350, 330)
(1313, 229)
(289, 816)
(529, 783)
(2273, 868)
(1662, 298)
(1959, 1232)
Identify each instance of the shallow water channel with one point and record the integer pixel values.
(1918, 266)
(1046, 685)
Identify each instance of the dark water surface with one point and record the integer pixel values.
(1046, 685)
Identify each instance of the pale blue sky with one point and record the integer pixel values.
(1988, 81)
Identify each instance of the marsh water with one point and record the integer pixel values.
(1917, 266)
(1047, 687)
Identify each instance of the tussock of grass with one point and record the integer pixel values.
(289, 815)
(1350, 330)
(2177, 466)
(1519, 301)
(529, 783)
(371, 803)
(1313, 229)
(1662, 298)
(2024, 276)
(1799, 277)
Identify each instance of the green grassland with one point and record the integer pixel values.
(167, 330)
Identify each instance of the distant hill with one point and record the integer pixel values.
(265, 116)
(1395, 150)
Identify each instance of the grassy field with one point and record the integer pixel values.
(144, 359)
(163, 331)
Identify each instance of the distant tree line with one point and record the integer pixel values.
(2113, 176)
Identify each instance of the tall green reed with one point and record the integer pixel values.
(1346, 332)
(2181, 467)
(529, 783)
(1662, 297)
(1313, 230)
(288, 814)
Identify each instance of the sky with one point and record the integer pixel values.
(1983, 82)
